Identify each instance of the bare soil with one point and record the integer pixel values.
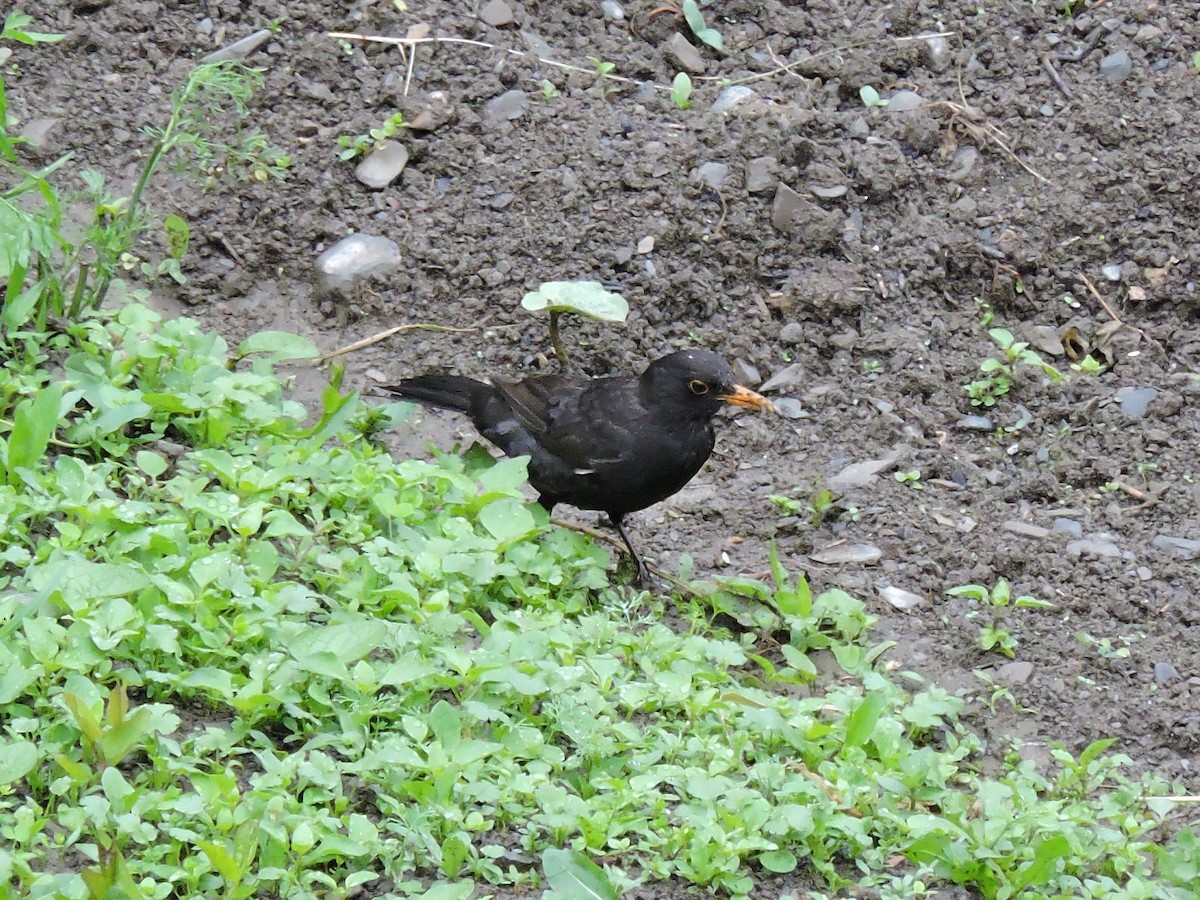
(1026, 171)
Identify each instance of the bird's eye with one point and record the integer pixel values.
(698, 387)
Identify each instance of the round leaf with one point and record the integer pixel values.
(585, 298)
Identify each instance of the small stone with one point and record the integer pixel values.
(975, 423)
(937, 53)
(1164, 672)
(537, 46)
(502, 200)
(1068, 526)
(1135, 401)
(508, 106)
(791, 333)
(786, 209)
(239, 49)
(1015, 673)
(1046, 110)
(684, 54)
(1112, 272)
(789, 408)
(1026, 529)
(1094, 547)
(898, 598)
(841, 554)
(1147, 34)
(746, 373)
(828, 193)
(731, 97)
(612, 11)
(383, 166)
(761, 174)
(905, 101)
(355, 257)
(38, 135)
(713, 174)
(784, 378)
(496, 13)
(1184, 548)
(963, 164)
(646, 245)
(1116, 67)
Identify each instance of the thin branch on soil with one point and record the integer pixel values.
(1087, 283)
(1048, 65)
(984, 131)
(408, 43)
(787, 69)
(384, 335)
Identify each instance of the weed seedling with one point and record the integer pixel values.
(992, 634)
(912, 478)
(998, 373)
(549, 90)
(373, 139)
(681, 91)
(870, 97)
(584, 298)
(602, 70)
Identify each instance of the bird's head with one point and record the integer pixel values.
(695, 384)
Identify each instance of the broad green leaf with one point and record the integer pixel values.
(861, 722)
(778, 861)
(177, 231)
(573, 875)
(34, 424)
(456, 850)
(586, 298)
(279, 345)
(17, 759)
(507, 519)
(347, 642)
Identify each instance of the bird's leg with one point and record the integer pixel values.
(642, 576)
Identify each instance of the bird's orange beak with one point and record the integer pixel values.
(741, 396)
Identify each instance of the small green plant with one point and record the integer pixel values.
(817, 507)
(700, 28)
(603, 70)
(374, 139)
(1104, 646)
(993, 635)
(999, 373)
(870, 97)
(912, 478)
(1196, 62)
(681, 90)
(549, 90)
(584, 298)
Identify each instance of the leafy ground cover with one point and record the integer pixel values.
(247, 656)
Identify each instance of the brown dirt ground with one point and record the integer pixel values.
(884, 281)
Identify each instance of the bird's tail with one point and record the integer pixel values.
(447, 391)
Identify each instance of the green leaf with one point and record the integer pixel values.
(34, 424)
(17, 759)
(861, 722)
(279, 345)
(570, 873)
(118, 740)
(507, 519)
(177, 231)
(778, 861)
(695, 21)
(455, 852)
(585, 298)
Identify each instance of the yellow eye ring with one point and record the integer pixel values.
(698, 387)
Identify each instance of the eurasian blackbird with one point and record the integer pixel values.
(616, 444)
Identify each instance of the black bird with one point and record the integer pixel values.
(616, 444)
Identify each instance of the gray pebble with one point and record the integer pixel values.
(612, 11)
(1184, 548)
(240, 49)
(496, 13)
(713, 174)
(789, 408)
(791, 333)
(975, 423)
(508, 106)
(1116, 67)
(684, 54)
(793, 374)
(731, 97)
(1112, 272)
(905, 101)
(746, 373)
(1164, 672)
(355, 257)
(383, 166)
(760, 174)
(1134, 401)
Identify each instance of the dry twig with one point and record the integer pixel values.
(384, 335)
